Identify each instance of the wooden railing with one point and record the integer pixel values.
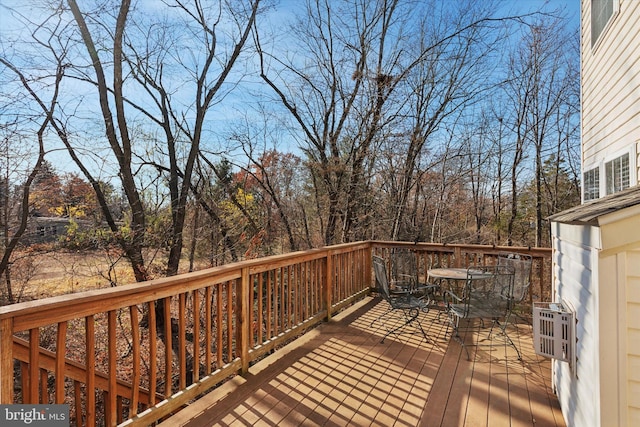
(435, 255)
(110, 355)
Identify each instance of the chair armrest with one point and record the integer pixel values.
(428, 286)
(401, 287)
(426, 289)
(454, 298)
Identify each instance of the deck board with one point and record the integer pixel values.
(340, 374)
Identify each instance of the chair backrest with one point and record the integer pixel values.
(521, 264)
(382, 281)
(488, 291)
(494, 279)
(404, 266)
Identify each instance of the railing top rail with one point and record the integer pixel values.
(450, 247)
(82, 304)
(61, 308)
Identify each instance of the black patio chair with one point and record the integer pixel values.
(404, 302)
(405, 277)
(486, 295)
(521, 265)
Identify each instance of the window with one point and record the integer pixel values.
(591, 184)
(617, 174)
(601, 13)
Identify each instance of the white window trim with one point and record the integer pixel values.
(633, 171)
(584, 171)
(605, 30)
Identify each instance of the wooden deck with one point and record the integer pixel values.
(340, 374)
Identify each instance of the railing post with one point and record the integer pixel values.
(368, 277)
(243, 320)
(457, 257)
(6, 361)
(329, 284)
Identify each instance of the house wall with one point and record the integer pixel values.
(633, 331)
(610, 74)
(620, 316)
(597, 274)
(575, 273)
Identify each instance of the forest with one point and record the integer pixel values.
(176, 134)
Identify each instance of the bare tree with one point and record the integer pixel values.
(456, 55)
(46, 118)
(131, 63)
(376, 70)
(336, 97)
(541, 83)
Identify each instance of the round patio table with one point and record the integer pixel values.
(457, 273)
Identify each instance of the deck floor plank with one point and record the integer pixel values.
(340, 374)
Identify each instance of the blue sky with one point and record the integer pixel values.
(572, 8)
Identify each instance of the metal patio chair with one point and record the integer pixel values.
(487, 294)
(521, 265)
(405, 303)
(405, 277)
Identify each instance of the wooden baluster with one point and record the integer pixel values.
(120, 410)
(135, 377)
(336, 272)
(196, 335)
(317, 285)
(44, 386)
(250, 289)
(24, 376)
(297, 294)
(349, 284)
(304, 291)
(311, 295)
(153, 345)
(90, 373)
(182, 344)
(229, 308)
(77, 400)
(168, 351)
(280, 325)
(269, 313)
(243, 320)
(305, 297)
(289, 298)
(219, 331)
(112, 393)
(328, 283)
(34, 354)
(61, 343)
(260, 309)
(207, 333)
(341, 277)
(6, 361)
(310, 292)
(353, 274)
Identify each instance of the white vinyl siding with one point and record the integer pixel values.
(575, 283)
(611, 87)
(633, 336)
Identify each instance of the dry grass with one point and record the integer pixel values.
(63, 272)
(41, 274)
